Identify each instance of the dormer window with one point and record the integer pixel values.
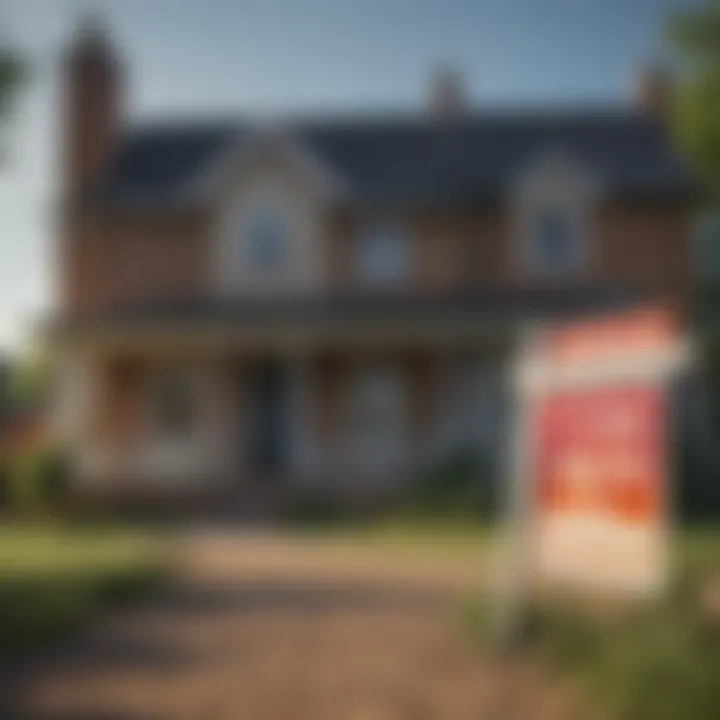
(267, 240)
(382, 255)
(554, 201)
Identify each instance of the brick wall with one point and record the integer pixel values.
(108, 259)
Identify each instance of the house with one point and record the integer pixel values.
(326, 303)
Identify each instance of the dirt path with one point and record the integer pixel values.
(279, 629)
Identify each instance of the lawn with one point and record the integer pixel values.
(651, 661)
(53, 577)
(460, 539)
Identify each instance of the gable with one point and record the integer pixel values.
(270, 182)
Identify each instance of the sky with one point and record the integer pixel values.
(269, 57)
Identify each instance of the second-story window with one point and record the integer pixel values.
(382, 255)
(267, 240)
(554, 203)
(554, 245)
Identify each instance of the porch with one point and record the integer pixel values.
(352, 423)
(346, 396)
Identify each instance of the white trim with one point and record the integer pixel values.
(258, 139)
(303, 268)
(536, 376)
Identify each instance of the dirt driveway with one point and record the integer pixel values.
(272, 627)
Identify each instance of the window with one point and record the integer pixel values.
(555, 199)
(554, 240)
(267, 240)
(174, 404)
(382, 257)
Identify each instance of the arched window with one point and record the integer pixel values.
(382, 255)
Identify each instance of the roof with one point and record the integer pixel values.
(411, 159)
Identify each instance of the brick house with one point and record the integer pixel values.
(327, 303)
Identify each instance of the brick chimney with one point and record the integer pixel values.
(448, 99)
(93, 105)
(654, 90)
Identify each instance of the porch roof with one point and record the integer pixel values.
(348, 316)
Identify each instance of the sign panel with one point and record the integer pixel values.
(599, 486)
(592, 485)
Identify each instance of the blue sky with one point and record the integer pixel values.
(275, 56)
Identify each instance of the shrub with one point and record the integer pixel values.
(313, 509)
(39, 481)
(52, 576)
(461, 484)
(655, 662)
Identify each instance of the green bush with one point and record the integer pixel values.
(53, 576)
(39, 481)
(655, 662)
(460, 485)
(315, 509)
(38, 611)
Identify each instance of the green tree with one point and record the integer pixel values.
(28, 382)
(695, 37)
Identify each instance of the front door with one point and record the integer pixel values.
(269, 407)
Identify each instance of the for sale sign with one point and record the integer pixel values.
(594, 441)
(600, 485)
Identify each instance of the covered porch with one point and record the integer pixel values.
(284, 399)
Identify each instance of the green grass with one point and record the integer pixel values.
(53, 577)
(461, 538)
(651, 661)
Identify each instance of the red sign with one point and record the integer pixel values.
(600, 452)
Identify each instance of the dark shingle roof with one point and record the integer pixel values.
(162, 162)
(414, 159)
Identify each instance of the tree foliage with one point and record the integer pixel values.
(695, 36)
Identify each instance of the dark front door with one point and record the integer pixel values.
(269, 395)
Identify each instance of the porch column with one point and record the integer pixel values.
(303, 445)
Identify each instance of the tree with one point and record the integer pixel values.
(695, 36)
